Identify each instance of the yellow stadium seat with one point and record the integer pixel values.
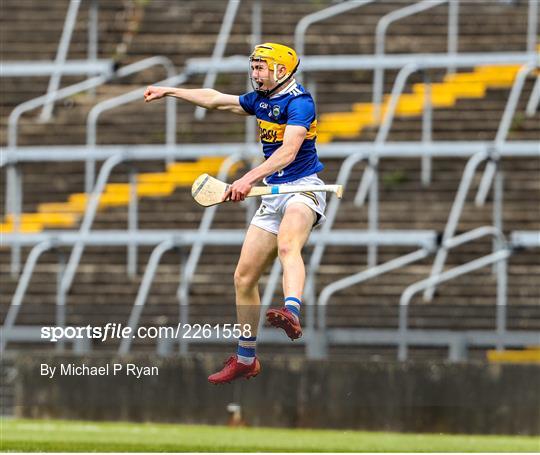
(155, 189)
(49, 219)
(60, 207)
(26, 228)
(529, 355)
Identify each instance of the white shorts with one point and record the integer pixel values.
(272, 208)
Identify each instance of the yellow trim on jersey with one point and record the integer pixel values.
(273, 132)
(312, 130)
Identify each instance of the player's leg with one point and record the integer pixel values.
(293, 233)
(258, 251)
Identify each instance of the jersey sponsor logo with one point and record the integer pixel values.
(271, 132)
(269, 135)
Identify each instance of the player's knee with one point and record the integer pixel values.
(286, 248)
(244, 280)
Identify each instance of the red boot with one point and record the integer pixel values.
(234, 369)
(284, 319)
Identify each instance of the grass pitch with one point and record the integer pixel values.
(72, 436)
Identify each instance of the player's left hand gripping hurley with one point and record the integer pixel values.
(207, 190)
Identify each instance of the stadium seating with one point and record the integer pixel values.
(468, 106)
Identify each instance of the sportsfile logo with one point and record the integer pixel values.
(114, 331)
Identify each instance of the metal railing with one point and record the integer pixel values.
(342, 150)
(456, 341)
(310, 19)
(499, 257)
(370, 179)
(61, 54)
(493, 156)
(502, 131)
(230, 65)
(428, 248)
(195, 253)
(532, 26)
(195, 67)
(46, 68)
(396, 15)
(14, 178)
(60, 66)
(534, 99)
(367, 274)
(525, 239)
(164, 239)
(188, 270)
(338, 150)
(111, 103)
(219, 50)
(378, 75)
(22, 285)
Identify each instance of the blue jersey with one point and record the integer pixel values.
(294, 106)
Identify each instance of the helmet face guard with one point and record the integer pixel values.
(274, 55)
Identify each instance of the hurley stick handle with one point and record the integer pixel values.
(287, 189)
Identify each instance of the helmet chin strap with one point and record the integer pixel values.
(270, 92)
(267, 93)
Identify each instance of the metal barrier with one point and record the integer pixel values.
(496, 257)
(22, 285)
(219, 50)
(413, 149)
(468, 174)
(380, 33)
(532, 26)
(231, 65)
(378, 76)
(165, 240)
(367, 274)
(182, 292)
(502, 132)
(188, 271)
(370, 178)
(457, 341)
(46, 68)
(14, 178)
(33, 334)
(320, 345)
(61, 54)
(60, 66)
(534, 99)
(98, 109)
(310, 19)
(525, 239)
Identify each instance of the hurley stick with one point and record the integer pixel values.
(207, 190)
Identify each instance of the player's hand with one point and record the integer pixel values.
(154, 93)
(238, 190)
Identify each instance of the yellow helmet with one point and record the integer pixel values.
(276, 54)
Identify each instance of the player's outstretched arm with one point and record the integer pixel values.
(204, 97)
